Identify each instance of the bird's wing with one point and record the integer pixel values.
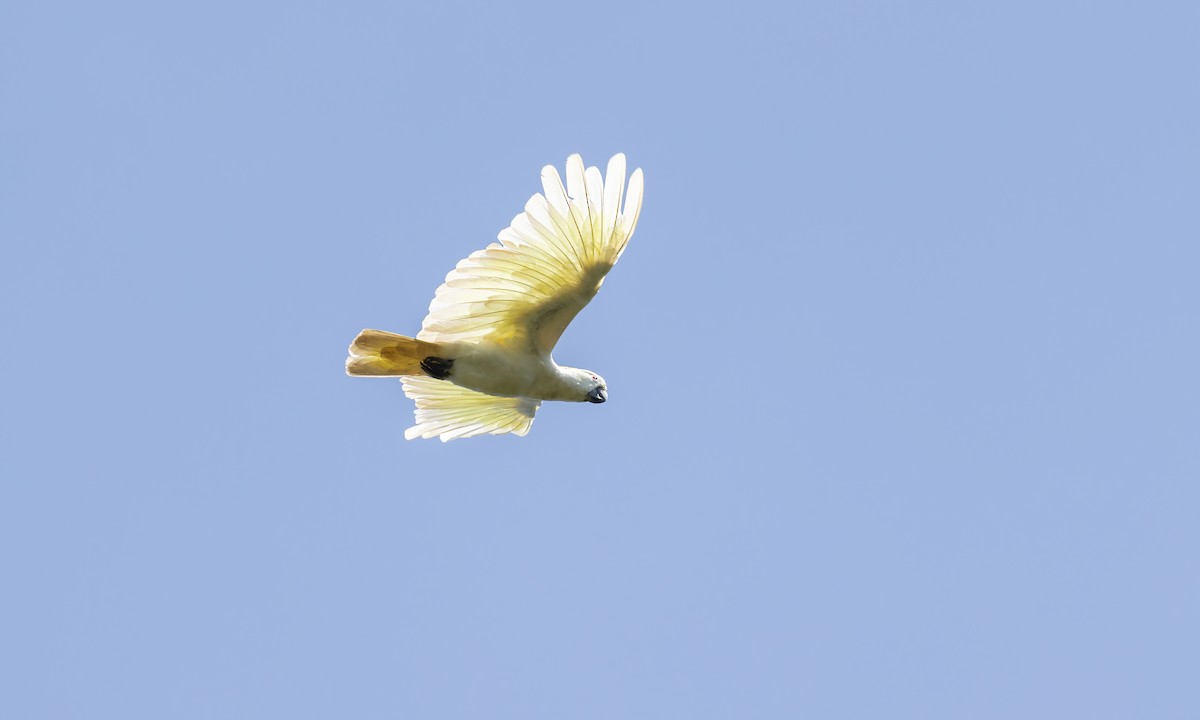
(447, 411)
(525, 289)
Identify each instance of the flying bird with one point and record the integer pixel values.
(481, 362)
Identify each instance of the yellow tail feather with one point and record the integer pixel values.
(375, 353)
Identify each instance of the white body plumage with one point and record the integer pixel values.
(507, 372)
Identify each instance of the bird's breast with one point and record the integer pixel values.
(497, 371)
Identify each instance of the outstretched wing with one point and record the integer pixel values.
(447, 411)
(525, 289)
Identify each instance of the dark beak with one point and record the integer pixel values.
(597, 396)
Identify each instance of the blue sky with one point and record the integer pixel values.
(902, 360)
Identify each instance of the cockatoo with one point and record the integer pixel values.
(481, 362)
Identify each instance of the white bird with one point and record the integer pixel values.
(481, 362)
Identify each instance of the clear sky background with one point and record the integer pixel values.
(904, 408)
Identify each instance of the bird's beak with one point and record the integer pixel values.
(597, 396)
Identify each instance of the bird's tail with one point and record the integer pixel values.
(375, 353)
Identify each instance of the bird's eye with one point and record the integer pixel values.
(595, 377)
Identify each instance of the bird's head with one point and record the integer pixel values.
(587, 385)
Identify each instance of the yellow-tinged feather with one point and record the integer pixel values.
(375, 353)
(548, 264)
(447, 411)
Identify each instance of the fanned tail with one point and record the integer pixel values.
(375, 353)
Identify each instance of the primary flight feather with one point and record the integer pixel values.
(481, 362)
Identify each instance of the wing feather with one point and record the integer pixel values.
(546, 266)
(560, 204)
(595, 197)
(614, 185)
(447, 411)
